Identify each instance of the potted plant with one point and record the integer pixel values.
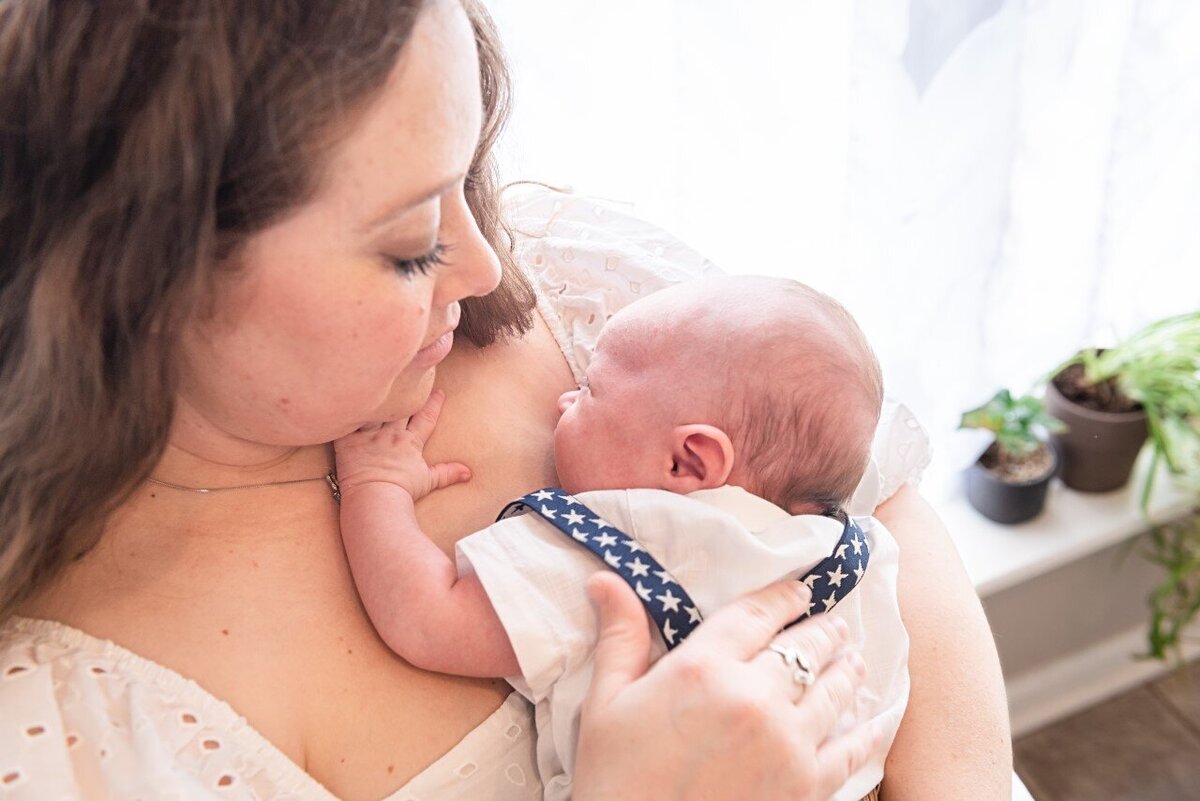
(1175, 602)
(1008, 482)
(1111, 399)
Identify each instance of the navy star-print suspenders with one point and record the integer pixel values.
(668, 604)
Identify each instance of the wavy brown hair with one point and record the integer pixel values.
(141, 143)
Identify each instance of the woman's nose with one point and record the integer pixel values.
(473, 268)
(566, 399)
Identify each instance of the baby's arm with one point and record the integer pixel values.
(410, 588)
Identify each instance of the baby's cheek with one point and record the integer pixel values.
(568, 459)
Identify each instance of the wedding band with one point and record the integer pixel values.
(802, 668)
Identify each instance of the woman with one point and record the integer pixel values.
(233, 232)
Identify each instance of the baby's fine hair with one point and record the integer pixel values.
(803, 435)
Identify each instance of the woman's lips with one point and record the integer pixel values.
(435, 351)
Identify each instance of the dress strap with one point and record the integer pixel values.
(668, 604)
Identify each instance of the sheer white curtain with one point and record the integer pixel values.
(987, 185)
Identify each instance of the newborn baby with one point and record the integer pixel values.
(722, 426)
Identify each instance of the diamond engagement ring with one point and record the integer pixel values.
(802, 669)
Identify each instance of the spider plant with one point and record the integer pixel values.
(1175, 602)
(1158, 367)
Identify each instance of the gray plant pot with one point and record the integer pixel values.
(1099, 448)
(1008, 502)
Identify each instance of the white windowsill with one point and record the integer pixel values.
(1072, 526)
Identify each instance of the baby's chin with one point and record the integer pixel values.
(575, 478)
(568, 482)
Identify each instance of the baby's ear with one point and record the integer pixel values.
(701, 458)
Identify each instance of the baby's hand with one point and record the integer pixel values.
(393, 453)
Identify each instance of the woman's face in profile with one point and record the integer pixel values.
(335, 316)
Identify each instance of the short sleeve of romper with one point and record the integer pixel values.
(589, 258)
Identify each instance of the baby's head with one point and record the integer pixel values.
(763, 383)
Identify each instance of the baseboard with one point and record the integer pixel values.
(1045, 694)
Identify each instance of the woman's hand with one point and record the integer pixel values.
(394, 453)
(719, 717)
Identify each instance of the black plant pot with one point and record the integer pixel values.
(1008, 502)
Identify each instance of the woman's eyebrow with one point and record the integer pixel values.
(392, 212)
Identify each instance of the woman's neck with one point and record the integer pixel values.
(206, 469)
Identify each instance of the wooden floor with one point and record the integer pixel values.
(1140, 746)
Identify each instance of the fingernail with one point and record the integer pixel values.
(801, 590)
(840, 625)
(858, 663)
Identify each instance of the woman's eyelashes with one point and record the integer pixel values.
(421, 264)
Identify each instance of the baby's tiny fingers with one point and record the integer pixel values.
(422, 423)
(448, 474)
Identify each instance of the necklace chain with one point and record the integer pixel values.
(329, 478)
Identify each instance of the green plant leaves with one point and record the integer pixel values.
(1014, 421)
(1159, 367)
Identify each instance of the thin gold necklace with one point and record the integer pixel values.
(329, 478)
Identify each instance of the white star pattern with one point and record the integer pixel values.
(669, 602)
(674, 614)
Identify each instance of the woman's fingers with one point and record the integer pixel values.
(841, 756)
(623, 647)
(745, 627)
(819, 640)
(833, 693)
(422, 423)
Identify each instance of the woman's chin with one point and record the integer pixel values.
(405, 401)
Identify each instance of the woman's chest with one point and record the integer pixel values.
(499, 418)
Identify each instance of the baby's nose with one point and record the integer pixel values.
(566, 399)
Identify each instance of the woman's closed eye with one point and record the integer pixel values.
(421, 264)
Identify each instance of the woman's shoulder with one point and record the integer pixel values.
(589, 258)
